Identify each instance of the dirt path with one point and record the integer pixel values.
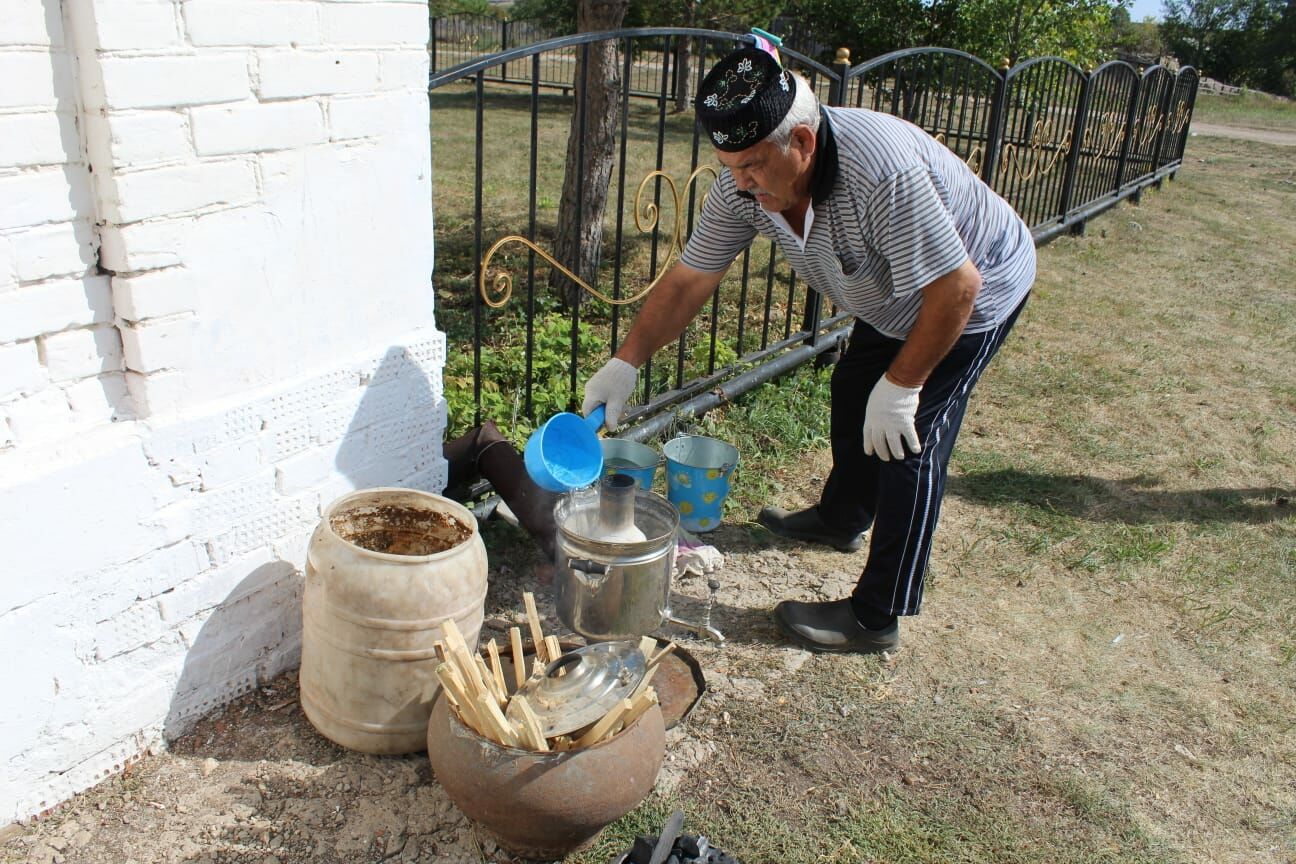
(1245, 133)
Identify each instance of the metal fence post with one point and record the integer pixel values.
(1157, 161)
(995, 135)
(504, 46)
(837, 89)
(1077, 143)
(432, 40)
(1136, 96)
(1191, 104)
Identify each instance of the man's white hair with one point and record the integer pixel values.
(804, 112)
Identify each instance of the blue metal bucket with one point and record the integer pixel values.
(564, 454)
(697, 479)
(630, 457)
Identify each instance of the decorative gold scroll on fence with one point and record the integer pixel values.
(646, 217)
(1045, 150)
(1179, 119)
(1152, 122)
(1108, 133)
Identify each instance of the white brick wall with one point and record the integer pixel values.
(374, 23)
(148, 137)
(249, 127)
(168, 82)
(215, 317)
(39, 72)
(182, 189)
(76, 354)
(20, 369)
(38, 138)
(155, 293)
(59, 249)
(251, 22)
(293, 74)
(55, 305)
(42, 196)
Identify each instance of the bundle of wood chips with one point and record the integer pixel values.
(480, 698)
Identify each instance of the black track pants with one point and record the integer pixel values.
(899, 500)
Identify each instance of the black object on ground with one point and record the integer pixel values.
(673, 848)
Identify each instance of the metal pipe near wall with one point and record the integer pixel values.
(729, 391)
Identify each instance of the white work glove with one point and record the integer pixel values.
(694, 556)
(613, 385)
(889, 420)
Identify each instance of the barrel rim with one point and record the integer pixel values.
(457, 509)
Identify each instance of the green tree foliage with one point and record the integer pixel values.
(994, 30)
(1138, 38)
(733, 15)
(867, 29)
(556, 16)
(438, 8)
(1242, 42)
(1278, 55)
(1018, 29)
(559, 16)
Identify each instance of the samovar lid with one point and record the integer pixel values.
(581, 686)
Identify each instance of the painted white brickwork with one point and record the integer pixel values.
(216, 316)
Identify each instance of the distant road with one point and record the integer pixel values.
(1245, 133)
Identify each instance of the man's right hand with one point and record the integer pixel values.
(613, 385)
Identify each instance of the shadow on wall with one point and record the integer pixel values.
(76, 226)
(251, 636)
(394, 436)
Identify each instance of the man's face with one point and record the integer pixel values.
(778, 180)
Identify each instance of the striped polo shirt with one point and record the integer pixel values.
(892, 210)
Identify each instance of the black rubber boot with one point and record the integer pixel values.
(806, 526)
(833, 628)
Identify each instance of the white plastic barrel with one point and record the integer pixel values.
(385, 569)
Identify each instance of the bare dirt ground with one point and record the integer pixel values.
(256, 783)
(1244, 133)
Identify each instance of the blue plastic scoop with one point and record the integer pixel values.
(565, 454)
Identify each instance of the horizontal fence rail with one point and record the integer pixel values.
(1060, 144)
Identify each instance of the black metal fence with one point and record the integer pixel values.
(1061, 145)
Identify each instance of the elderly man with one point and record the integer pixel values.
(892, 227)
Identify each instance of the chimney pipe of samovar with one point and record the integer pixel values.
(617, 510)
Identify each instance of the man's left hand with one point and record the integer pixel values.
(889, 420)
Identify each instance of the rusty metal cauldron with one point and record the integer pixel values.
(543, 806)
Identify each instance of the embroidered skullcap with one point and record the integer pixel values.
(744, 98)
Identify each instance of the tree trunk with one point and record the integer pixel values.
(599, 87)
(684, 68)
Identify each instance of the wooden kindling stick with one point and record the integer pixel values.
(639, 703)
(497, 670)
(605, 724)
(519, 659)
(488, 681)
(661, 655)
(553, 650)
(533, 621)
(532, 734)
(497, 726)
(460, 700)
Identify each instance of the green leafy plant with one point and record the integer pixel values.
(504, 368)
